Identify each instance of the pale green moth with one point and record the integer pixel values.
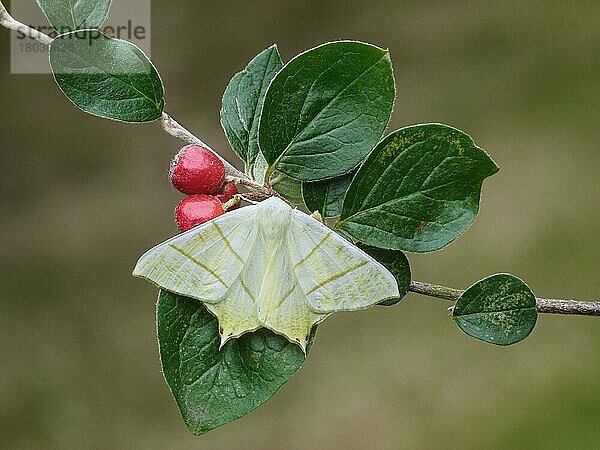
(268, 265)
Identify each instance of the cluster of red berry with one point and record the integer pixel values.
(198, 172)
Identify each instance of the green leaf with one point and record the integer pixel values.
(500, 309)
(418, 190)
(397, 263)
(71, 15)
(107, 77)
(327, 196)
(213, 387)
(243, 100)
(287, 187)
(326, 109)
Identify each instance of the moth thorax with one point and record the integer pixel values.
(273, 218)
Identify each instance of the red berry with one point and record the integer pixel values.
(227, 193)
(197, 209)
(197, 170)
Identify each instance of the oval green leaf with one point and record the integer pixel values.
(500, 309)
(107, 77)
(213, 387)
(397, 263)
(326, 109)
(418, 190)
(243, 100)
(70, 15)
(327, 196)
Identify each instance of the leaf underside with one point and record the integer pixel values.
(500, 309)
(326, 109)
(418, 190)
(288, 188)
(107, 77)
(243, 100)
(213, 387)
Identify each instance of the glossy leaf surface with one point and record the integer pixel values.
(71, 15)
(107, 77)
(500, 309)
(326, 109)
(213, 387)
(418, 190)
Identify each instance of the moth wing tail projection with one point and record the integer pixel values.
(334, 274)
(237, 312)
(204, 262)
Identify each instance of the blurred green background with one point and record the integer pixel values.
(81, 198)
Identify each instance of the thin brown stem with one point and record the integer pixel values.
(7, 21)
(575, 307)
(544, 305)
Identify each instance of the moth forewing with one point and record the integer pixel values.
(336, 275)
(201, 263)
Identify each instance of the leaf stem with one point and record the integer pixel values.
(544, 305)
(435, 290)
